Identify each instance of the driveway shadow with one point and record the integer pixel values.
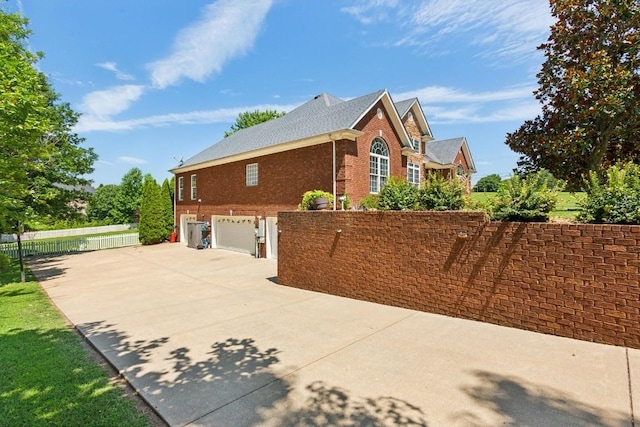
(239, 378)
(334, 406)
(47, 267)
(522, 403)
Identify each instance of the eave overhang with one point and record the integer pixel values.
(348, 134)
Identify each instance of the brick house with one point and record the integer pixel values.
(343, 147)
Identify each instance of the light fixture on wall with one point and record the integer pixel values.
(463, 234)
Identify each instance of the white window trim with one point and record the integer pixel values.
(380, 180)
(415, 144)
(194, 187)
(251, 175)
(415, 168)
(181, 188)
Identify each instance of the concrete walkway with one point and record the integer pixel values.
(209, 339)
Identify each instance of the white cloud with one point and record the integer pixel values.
(112, 66)
(499, 28)
(227, 29)
(370, 11)
(441, 94)
(132, 160)
(447, 105)
(102, 104)
(223, 115)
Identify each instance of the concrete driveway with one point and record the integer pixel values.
(210, 339)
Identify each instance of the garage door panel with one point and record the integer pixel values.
(235, 233)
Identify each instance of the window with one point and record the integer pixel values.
(415, 144)
(194, 188)
(378, 165)
(252, 174)
(413, 174)
(181, 188)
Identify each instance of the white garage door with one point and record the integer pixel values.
(235, 233)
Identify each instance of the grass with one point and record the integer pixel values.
(567, 207)
(48, 378)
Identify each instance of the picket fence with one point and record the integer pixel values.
(66, 246)
(52, 234)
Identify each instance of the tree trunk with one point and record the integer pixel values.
(22, 275)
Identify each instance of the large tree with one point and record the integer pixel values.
(101, 203)
(488, 184)
(42, 162)
(252, 118)
(126, 209)
(589, 88)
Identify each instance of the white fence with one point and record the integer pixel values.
(80, 244)
(50, 234)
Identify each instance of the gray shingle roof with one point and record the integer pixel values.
(323, 114)
(444, 151)
(403, 106)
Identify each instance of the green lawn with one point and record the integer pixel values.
(567, 206)
(48, 378)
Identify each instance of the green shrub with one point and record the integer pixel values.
(398, 195)
(5, 262)
(311, 195)
(152, 228)
(370, 201)
(440, 194)
(616, 200)
(528, 199)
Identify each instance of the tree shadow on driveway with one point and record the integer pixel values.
(237, 382)
(522, 403)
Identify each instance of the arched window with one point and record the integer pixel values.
(378, 165)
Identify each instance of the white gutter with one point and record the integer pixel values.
(335, 196)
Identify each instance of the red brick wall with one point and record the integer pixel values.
(282, 180)
(577, 281)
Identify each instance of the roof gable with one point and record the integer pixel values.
(413, 105)
(444, 152)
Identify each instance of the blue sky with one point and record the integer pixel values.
(162, 80)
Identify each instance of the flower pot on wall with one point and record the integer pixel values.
(319, 204)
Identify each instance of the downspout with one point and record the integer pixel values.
(335, 196)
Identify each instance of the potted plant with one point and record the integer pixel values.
(316, 200)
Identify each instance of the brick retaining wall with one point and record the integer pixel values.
(574, 280)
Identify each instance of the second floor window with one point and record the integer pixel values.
(181, 188)
(194, 187)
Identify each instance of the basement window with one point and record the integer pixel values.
(252, 175)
